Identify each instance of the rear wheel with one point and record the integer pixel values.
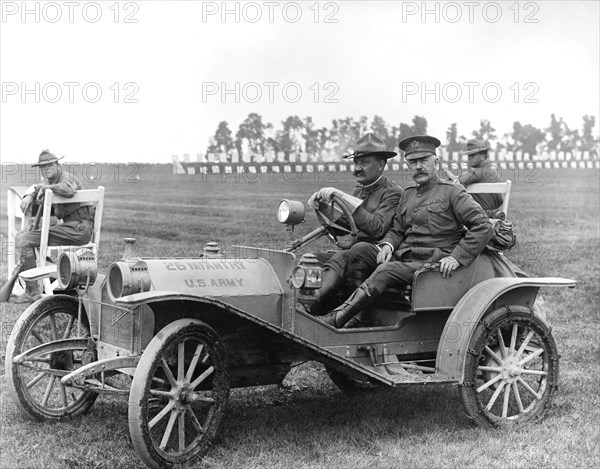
(34, 383)
(511, 371)
(179, 393)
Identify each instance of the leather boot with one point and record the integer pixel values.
(32, 293)
(358, 301)
(362, 319)
(32, 289)
(330, 284)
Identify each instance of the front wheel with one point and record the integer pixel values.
(34, 382)
(511, 370)
(179, 393)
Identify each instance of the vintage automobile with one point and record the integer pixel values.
(175, 334)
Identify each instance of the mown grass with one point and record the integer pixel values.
(307, 422)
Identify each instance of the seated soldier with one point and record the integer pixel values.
(373, 203)
(480, 170)
(435, 221)
(78, 219)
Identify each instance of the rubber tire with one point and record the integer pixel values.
(139, 406)
(36, 316)
(507, 316)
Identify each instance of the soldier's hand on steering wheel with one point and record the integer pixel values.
(448, 265)
(323, 195)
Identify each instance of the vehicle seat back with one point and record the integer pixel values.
(431, 291)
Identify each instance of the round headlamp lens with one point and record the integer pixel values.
(283, 211)
(298, 277)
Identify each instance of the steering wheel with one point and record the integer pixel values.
(350, 236)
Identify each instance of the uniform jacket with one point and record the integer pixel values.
(65, 185)
(374, 217)
(483, 173)
(436, 220)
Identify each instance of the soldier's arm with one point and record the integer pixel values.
(479, 227)
(471, 176)
(66, 188)
(377, 223)
(395, 234)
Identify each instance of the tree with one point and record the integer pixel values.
(485, 132)
(222, 143)
(344, 132)
(559, 137)
(419, 126)
(526, 138)
(588, 142)
(311, 139)
(380, 128)
(291, 138)
(252, 129)
(452, 139)
(554, 132)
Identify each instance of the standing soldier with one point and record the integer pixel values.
(373, 204)
(429, 226)
(78, 219)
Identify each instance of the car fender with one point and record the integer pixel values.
(468, 312)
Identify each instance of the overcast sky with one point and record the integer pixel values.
(141, 81)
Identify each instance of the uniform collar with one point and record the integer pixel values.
(429, 184)
(373, 186)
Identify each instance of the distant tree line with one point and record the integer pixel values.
(300, 136)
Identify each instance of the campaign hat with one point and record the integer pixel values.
(370, 144)
(475, 146)
(46, 158)
(419, 146)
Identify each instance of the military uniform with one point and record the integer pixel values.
(373, 219)
(483, 173)
(430, 224)
(78, 220)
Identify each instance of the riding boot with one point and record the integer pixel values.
(358, 301)
(32, 288)
(330, 284)
(362, 319)
(32, 293)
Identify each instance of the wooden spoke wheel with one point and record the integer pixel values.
(339, 235)
(34, 383)
(179, 394)
(511, 371)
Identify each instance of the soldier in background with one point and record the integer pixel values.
(479, 170)
(373, 204)
(78, 219)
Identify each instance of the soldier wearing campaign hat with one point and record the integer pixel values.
(429, 226)
(373, 203)
(479, 170)
(78, 218)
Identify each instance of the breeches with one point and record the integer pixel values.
(391, 274)
(355, 263)
(71, 233)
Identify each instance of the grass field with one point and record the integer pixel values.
(308, 423)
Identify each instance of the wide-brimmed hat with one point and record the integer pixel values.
(46, 158)
(475, 146)
(419, 146)
(370, 144)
